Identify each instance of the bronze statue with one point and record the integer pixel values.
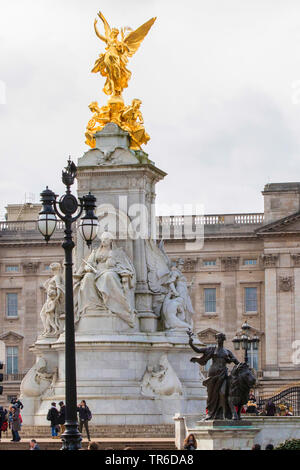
(223, 391)
(241, 380)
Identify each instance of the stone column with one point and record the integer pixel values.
(271, 316)
(296, 259)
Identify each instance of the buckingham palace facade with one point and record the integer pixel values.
(247, 268)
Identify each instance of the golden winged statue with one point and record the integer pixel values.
(112, 64)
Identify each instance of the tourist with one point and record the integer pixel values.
(93, 446)
(52, 416)
(15, 423)
(269, 447)
(85, 416)
(33, 445)
(3, 420)
(256, 447)
(62, 417)
(270, 408)
(190, 443)
(17, 403)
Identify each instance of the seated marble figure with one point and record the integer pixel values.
(106, 281)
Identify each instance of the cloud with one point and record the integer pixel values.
(215, 79)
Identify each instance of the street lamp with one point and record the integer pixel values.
(244, 339)
(65, 209)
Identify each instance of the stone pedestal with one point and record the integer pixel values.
(216, 434)
(119, 367)
(110, 370)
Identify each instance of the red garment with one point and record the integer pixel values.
(4, 426)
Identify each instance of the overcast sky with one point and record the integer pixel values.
(219, 81)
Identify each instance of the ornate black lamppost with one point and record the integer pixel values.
(244, 339)
(68, 209)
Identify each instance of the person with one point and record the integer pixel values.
(269, 447)
(256, 447)
(93, 446)
(15, 423)
(62, 417)
(85, 416)
(33, 445)
(3, 420)
(17, 403)
(52, 416)
(270, 408)
(190, 443)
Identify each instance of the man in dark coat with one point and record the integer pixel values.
(33, 445)
(53, 417)
(85, 416)
(270, 408)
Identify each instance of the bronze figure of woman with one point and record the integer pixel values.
(217, 382)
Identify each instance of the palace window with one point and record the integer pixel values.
(12, 359)
(250, 262)
(12, 268)
(250, 299)
(210, 262)
(11, 305)
(210, 300)
(253, 357)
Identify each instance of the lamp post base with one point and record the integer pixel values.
(71, 438)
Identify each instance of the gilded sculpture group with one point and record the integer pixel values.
(112, 65)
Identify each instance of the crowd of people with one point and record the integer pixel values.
(11, 419)
(269, 409)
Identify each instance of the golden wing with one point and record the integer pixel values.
(106, 25)
(133, 40)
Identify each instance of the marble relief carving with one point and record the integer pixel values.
(269, 260)
(286, 283)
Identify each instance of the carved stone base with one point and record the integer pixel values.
(95, 322)
(216, 434)
(110, 369)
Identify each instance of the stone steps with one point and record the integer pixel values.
(120, 444)
(119, 431)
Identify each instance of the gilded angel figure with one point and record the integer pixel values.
(112, 63)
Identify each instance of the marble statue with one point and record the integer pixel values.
(173, 312)
(172, 300)
(37, 381)
(54, 306)
(106, 281)
(161, 380)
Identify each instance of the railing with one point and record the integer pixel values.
(211, 219)
(13, 377)
(162, 222)
(24, 226)
(289, 397)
